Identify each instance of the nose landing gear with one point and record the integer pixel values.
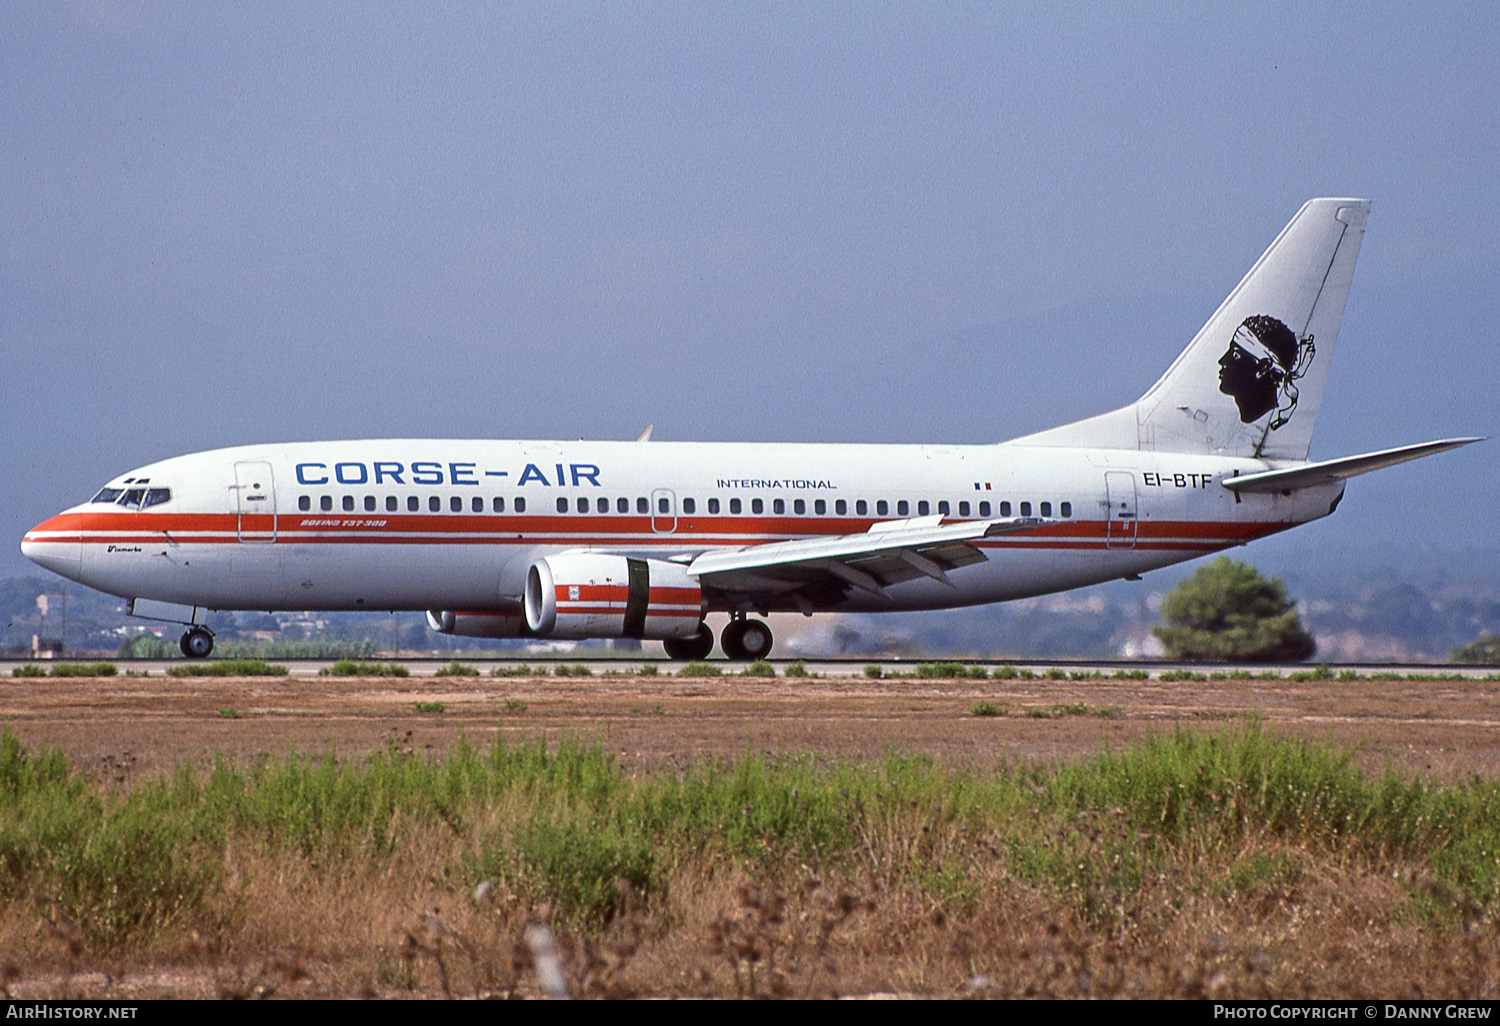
(197, 643)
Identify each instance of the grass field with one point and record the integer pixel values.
(1229, 863)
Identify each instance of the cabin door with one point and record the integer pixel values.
(1119, 490)
(255, 501)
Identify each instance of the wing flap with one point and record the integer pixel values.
(888, 553)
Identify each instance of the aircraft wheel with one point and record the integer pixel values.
(197, 643)
(756, 639)
(746, 639)
(696, 647)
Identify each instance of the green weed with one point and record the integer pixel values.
(354, 668)
(457, 669)
(516, 671)
(950, 670)
(228, 668)
(81, 670)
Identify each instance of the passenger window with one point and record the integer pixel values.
(757, 506)
(390, 504)
(583, 505)
(1066, 509)
(861, 508)
(820, 507)
(689, 506)
(326, 503)
(1046, 509)
(963, 509)
(520, 505)
(841, 507)
(642, 506)
(562, 504)
(799, 507)
(476, 504)
(413, 504)
(348, 504)
(1025, 509)
(713, 505)
(1005, 509)
(734, 505)
(369, 504)
(923, 508)
(156, 496)
(882, 508)
(778, 506)
(903, 508)
(456, 504)
(664, 505)
(434, 504)
(497, 505)
(984, 509)
(622, 505)
(943, 507)
(304, 503)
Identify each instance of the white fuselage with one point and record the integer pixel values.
(443, 524)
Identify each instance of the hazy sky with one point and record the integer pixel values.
(229, 223)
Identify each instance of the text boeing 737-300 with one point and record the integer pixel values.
(646, 539)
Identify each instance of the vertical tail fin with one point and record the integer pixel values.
(1251, 381)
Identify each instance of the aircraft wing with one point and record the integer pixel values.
(1310, 474)
(888, 553)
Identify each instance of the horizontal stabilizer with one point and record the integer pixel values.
(1329, 471)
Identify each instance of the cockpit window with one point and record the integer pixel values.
(157, 496)
(107, 495)
(132, 498)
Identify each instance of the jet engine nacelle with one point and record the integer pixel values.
(597, 595)
(477, 625)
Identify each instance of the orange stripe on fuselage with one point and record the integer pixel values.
(635, 531)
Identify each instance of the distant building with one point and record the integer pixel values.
(45, 648)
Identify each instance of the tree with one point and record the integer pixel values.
(1483, 652)
(1228, 611)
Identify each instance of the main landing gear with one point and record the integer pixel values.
(744, 638)
(197, 643)
(696, 647)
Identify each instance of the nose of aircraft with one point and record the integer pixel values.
(47, 545)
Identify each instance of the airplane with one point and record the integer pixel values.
(646, 539)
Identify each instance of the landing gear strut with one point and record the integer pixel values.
(197, 643)
(744, 638)
(696, 647)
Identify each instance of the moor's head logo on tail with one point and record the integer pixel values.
(1260, 369)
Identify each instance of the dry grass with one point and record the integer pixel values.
(945, 893)
(913, 901)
